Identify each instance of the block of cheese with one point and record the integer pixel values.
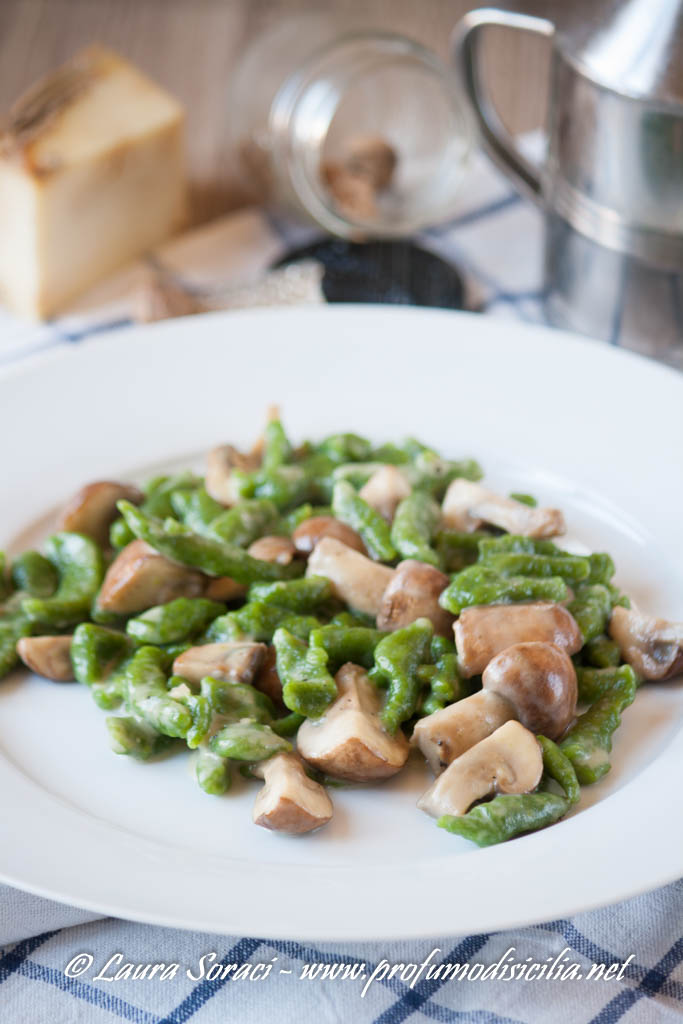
(92, 174)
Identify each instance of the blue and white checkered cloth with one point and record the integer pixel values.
(497, 239)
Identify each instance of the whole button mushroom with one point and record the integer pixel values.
(483, 631)
(539, 681)
(534, 682)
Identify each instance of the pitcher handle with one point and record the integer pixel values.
(498, 142)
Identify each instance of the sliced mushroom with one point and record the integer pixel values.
(413, 593)
(273, 549)
(507, 761)
(219, 481)
(349, 740)
(311, 531)
(290, 801)
(446, 734)
(224, 588)
(385, 489)
(93, 509)
(355, 579)
(654, 647)
(48, 656)
(267, 679)
(534, 682)
(140, 577)
(483, 631)
(467, 505)
(539, 680)
(235, 662)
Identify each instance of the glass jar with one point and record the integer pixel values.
(363, 131)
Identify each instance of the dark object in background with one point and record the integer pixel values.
(393, 272)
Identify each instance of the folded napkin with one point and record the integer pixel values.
(495, 238)
(40, 979)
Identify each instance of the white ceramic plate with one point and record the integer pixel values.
(593, 430)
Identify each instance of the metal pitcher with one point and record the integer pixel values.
(611, 184)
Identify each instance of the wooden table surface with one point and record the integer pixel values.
(190, 46)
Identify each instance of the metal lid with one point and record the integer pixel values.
(632, 46)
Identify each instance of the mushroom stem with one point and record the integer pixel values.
(355, 579)
(448, 733)
(229, 662)
(467, 505)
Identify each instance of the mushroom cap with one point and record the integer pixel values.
(311, 531)
(448, 733)
(273, 549)
(231, 662)
(654, 647)
(93, 509)
(48, 656)
(413, 593)
(508, 761)
(355, 579)
(289, 802)
(483, 631)
(349, 740)
(539, 680)
(139, 577)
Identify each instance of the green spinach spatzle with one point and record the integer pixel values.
(308, 614)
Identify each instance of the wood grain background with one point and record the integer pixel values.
(190, 46)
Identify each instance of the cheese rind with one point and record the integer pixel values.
(92, 174)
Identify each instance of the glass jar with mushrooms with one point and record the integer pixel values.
(319, 613)
(327, 121)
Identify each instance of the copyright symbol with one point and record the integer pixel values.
(78, 965)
